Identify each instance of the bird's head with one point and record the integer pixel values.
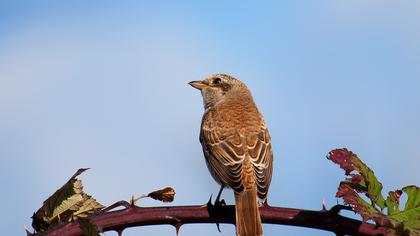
(218, 87)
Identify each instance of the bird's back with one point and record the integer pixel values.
(234, 134)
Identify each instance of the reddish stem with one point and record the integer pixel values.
(118, 220)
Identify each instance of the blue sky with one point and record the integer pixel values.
(104, 85)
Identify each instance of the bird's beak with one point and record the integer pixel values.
(198, 84)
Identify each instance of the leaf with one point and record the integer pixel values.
(366, 210)
(38, 223)
(413, 193)
(411, 213)
(89, 205)
(88, 228)
(165, 195)
(393, 202)
(64, 204)
(362, 180)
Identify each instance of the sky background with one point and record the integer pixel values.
(103, 84)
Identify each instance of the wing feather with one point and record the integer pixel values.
(226, 151)
(262, 159)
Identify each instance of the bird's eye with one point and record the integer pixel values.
(217, 81)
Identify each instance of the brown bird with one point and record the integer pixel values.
(236, 146)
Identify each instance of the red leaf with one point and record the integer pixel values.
(366, 210)
(342, 157)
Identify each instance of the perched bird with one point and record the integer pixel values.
(236, 146)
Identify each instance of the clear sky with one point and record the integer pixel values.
(103, 84)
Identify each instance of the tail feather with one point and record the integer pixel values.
(248, 221)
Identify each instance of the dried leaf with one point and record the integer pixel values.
(65, 204)
(165, 195)
(89, 206)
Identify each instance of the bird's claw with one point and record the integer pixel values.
(218, 202)
(218, 227)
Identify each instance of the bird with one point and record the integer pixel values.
(236, 146)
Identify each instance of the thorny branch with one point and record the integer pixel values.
(118, 220)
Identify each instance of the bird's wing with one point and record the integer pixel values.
(259, 149)
(224, 156)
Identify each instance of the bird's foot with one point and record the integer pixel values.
(219, 202)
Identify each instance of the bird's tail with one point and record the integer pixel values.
(248, 221)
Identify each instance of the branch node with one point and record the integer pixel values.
(122, 203)
(337, 208)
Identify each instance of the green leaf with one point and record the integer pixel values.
(362, 180)
(413, 193)
(393, 202)
(88, 228)
(411, 214)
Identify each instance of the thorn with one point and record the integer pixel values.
(177, 227)
(209, 202)
(324, 205)
(120, 232)
(132, 202)
(28, 232)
